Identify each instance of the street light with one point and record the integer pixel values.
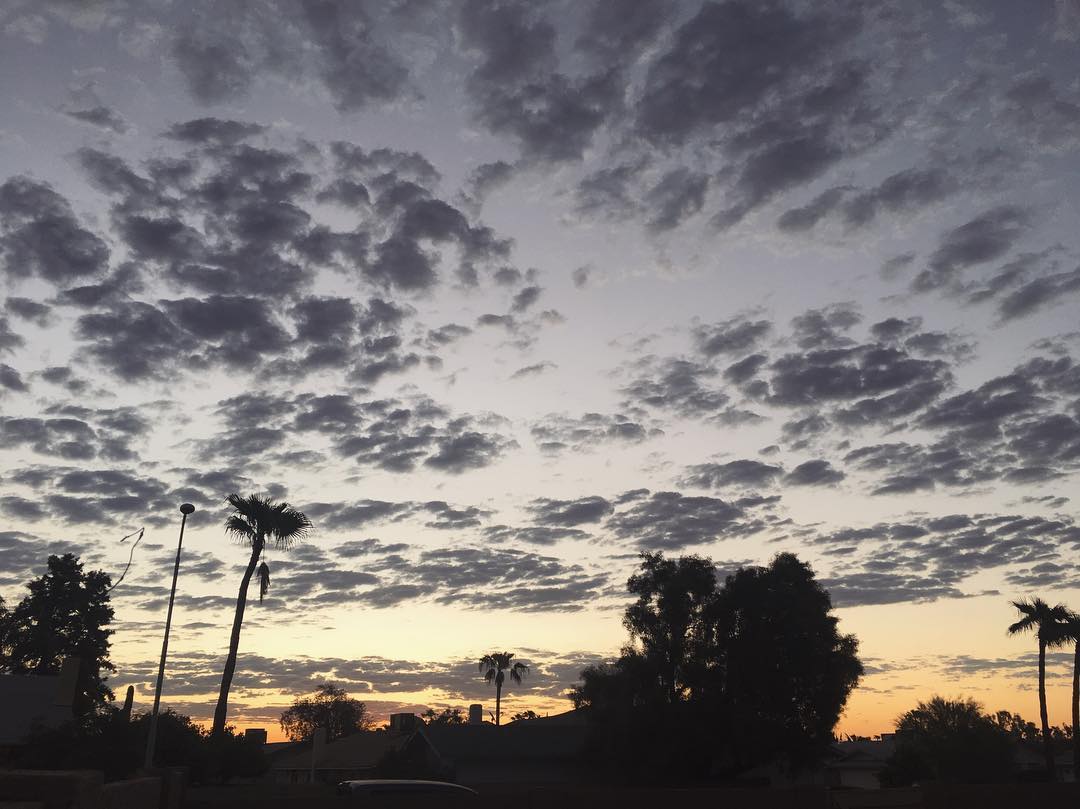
(185, 509)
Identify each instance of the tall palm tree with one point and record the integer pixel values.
(254, 520)
(1048, 623)
(1070, 633)
(495, 666)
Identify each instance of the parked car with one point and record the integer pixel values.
(380, 787)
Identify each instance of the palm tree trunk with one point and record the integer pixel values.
(1076, 711)
(222, 709)
(498, 702)
(1047, 750)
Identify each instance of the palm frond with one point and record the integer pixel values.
(264, 580)
(518, 671)
(238, 528)
(255, 517)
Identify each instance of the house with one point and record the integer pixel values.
(357, 755)
(536, 752)
(35, 700)
(856, 764)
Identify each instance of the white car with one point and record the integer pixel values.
(395, 786)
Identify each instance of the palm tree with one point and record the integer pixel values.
(1070, 633)
(254, 520)
(495, 666)
(1047, 623)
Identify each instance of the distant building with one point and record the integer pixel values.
(36, 700)
(541, 751)
(355, 756)
(536, 752)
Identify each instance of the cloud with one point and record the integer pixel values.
(517, 90)
(557, 432)
(814, 473)
(100, 116)
(928, 558)
(743, 472)
(988, 236)
(567, 513)
(673, 521)
(731, 336)
(532, 370)
(339, 46)
(39, 235)
(1038, 294)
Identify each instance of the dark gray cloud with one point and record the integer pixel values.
(928, 558)
(100, 116)
(9, 340)
(40, 235)
(743, 472)
(533, 370)
(557, 432)
(903, 192)
(568, 513)
(517, 89)
(27, 309)
(11, 379)
(987, 237)
(1039, 293)
(673, 521)
(222, 54)
(730, 337)
(817, 472)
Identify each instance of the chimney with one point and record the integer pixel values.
(476, 714)
(255, 735)
(403, 722)
(67, 682)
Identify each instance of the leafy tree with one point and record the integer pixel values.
(447, 716)
(524, 716)
(331, 708)
(1048, 624)
(254, 521)
(719, 678)
(951, 741)
(667, 618)
(65, 614)
(787, 670)
(105, 740)
(495, 666)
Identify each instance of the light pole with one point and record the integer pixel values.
(185, 509)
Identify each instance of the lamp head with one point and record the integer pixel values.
(186, 508)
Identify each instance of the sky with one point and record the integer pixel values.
(502, 294)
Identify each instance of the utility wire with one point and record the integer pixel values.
(130, 556)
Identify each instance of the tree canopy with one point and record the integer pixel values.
(65, 614)
(331, 708)
(717, 678)
(447, 716)
(953, 741)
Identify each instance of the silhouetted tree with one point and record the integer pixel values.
(786, 669)
(1070, 633)
(495, 666)
(524, 716)
(331, 708)
(718, 678)
(65, 614)
(105, 740)
(950, 741)
(254, 521)
(667, 618)
(1048, 625)
(447, 716)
